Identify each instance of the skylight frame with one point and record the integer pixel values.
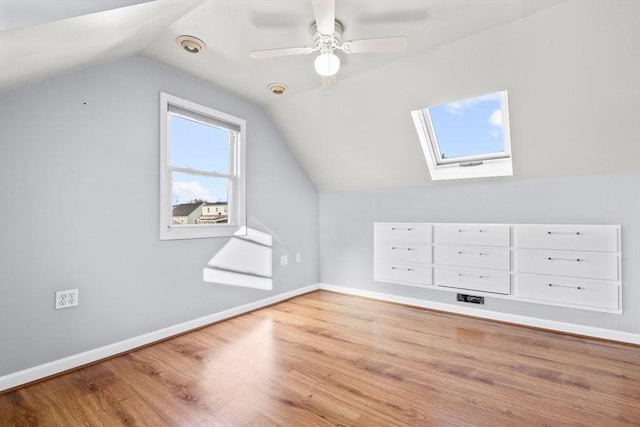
(474, 166)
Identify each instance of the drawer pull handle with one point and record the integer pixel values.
(471, 253)
(460, 230)
(398, 228)
(566, 286)
(398, 268)
(565, 259)
(472, 275)
(395, 248)
(577, 233)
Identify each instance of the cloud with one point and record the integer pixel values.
(496, 118)
(458, 107)
(184, 192)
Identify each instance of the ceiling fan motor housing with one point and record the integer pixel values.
(327, 42)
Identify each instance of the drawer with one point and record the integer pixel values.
(593, 265)
(568, 291)
(478, 280)
(472, 234)
(403, 252)
(488, 257)
(599, 238)
(402, 232)
(393, 272)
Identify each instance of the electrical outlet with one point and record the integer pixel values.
(298, 257)
(284, 260)
(66, 299)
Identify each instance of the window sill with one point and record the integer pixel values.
(488, 168)
(199, 232)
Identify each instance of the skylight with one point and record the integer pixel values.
(467, 138)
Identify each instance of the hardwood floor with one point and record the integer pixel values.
(330, 359)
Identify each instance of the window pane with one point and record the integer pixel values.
(198, 199)
(198, 146)
(470, 127)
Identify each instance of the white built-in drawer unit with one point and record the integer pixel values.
(397, 272)
(569, 291)
(403, 253)
(569, 265)
(577, 266)
(594, 265)
(476, 251)
(600, 238)
(402, 232)
(473, 234)
(492, 281)
(493, 258)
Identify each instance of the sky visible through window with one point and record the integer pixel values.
(203, 148)
(470, 127)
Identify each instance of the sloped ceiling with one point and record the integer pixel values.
(22, 13)
(569, 67)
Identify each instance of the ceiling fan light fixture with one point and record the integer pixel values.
(327, 64)
(190, 44)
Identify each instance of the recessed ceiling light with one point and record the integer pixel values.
(190, 44)
(277, 88)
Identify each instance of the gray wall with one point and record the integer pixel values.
(79, 184)
(346, 231)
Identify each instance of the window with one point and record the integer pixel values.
(466, 139)
(202, 168)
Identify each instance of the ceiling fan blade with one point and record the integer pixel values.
(380, 45)
(285, 51)
(325, 13)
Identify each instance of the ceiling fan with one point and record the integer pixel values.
(327, 37)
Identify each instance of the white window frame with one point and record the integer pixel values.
(236, 205)
(479, 166)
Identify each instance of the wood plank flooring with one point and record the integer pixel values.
(329, 359)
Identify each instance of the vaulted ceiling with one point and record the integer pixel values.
(556, 58)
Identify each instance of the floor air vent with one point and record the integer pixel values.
(473, 299)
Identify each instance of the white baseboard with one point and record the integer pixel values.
(61, 365)
(589, 331)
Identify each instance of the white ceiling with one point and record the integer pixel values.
(336, 134)
(48, 36)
